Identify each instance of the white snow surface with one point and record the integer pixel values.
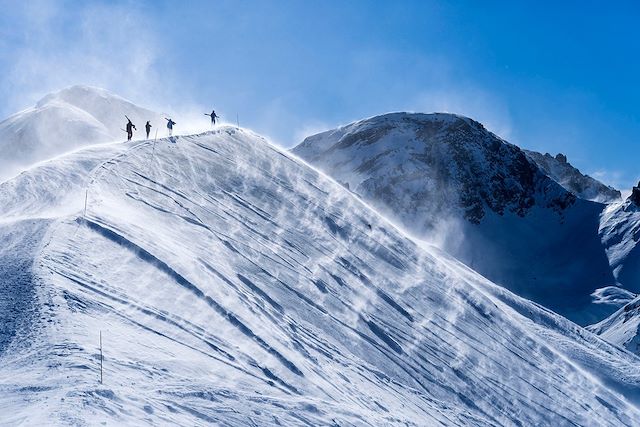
(449, 181)
(235, 285)
(60, 122)
(620, 232)
(622, 328)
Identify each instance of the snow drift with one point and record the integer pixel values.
(233, 284)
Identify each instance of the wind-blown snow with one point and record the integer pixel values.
(67, 120)
(449, 181)
(236, 285)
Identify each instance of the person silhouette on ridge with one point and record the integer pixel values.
(130, 128)
(170, 124)
(148, 128)
(213, 116)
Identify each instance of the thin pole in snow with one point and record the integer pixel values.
(86, 194)
(153, 152)
(100, 357)
(238, 120)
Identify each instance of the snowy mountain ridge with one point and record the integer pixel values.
(235, 285)
(60, 122)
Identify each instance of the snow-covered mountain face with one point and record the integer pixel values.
(448, 180)
(235, 285)
(63, 121)
(620, 233)
(622, 328)
(583, 186)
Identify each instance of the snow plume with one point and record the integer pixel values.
(468, 101)
(99, 44)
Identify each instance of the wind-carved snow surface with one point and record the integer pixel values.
(235, 285)
(448, 180)
(67, 120)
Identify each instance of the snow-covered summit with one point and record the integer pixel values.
(450, 181)
(66, 120)
(583, 186)
(431, 164)
(235, 285)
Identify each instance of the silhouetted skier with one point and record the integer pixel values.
(130, 128)
(213, 116)
(170, 124)
(148, 128)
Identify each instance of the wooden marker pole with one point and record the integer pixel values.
(100, 357)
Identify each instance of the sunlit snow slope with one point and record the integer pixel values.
(235, 285)
(620, 232)
(71, 118)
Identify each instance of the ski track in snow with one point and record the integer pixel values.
(235, 285)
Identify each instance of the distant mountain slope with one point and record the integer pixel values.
(448, 180)
(622, 328)
(66, 120)
(620, 233)
(583, 186)
(235, 285)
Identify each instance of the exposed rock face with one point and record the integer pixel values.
(439, 162)
(635, 195)
(583, 186)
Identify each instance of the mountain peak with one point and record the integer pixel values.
(483, 171)
(77, 94)
(65, 120)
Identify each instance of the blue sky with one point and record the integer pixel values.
(550, 76)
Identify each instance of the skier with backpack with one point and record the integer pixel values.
(170, 124)
(148, 128)
(130, 127)
(213, 116)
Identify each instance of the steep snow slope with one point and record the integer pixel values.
(620, 232)
(235, 285)
(64, 121)
(445, 178)
(622, 328)
(583, 186)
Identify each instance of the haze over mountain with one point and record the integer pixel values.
(448, 180)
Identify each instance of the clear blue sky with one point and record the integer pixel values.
(551, 76)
